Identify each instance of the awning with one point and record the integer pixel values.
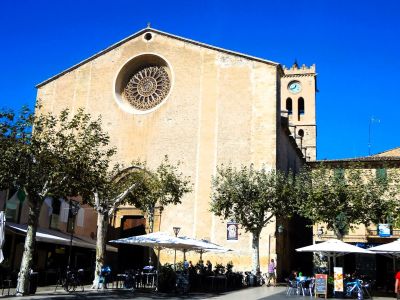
(56, 237)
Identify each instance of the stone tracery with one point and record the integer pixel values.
(147, 88)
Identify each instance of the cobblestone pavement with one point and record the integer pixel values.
(255, 293)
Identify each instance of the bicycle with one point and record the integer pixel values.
(357, 289)
(73, 280)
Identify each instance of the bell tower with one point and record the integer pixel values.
(298, 93)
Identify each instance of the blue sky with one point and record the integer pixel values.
(355, 45)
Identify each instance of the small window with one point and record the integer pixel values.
(301, 107)
(381, 174)
(13, 207)
(56, 206)
(301, 132)
(55, 215)
(54, 221)
(148, 36)
(289, 106)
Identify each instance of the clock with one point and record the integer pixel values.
(294, 87)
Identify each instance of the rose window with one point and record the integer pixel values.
(147, 88)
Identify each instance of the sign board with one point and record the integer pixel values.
(384, 230)
(321, 285)
(232, 231)
(338, 279)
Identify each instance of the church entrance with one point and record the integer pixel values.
(132, 257)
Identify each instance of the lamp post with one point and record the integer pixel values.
(74, 207)
(269, 246)
(279, 230)
(176, 231)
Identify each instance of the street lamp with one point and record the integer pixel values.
(176, 231)
(74, 207)
(279, 230)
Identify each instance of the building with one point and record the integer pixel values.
(298, 99)
(61, 239)
(160, 94)
(376, 266)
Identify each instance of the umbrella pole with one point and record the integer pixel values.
(394, 264)
(329, 265)
(158, 267)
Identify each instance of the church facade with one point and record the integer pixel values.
(160, 94)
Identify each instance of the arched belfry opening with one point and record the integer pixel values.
(289, 106)
(300, 107)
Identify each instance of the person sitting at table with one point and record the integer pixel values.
(200, 267)
(292, 276)
(105, 277)
(185, 266)
(190, 265)
(209, 267)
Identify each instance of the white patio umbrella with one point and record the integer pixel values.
(334, 248)
(160, 240)
(392, 249)
(156, 240)
(202, 246)
(164, 240)
(2, 234)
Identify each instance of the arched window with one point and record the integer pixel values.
(289, 106)
(301, 107)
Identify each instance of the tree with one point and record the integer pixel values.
(108, 194)
(343, 199)
(45, 155)
(163, 186)
(251, 197)
(139, 186)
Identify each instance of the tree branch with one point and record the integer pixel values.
(117, 200)
(45, 189)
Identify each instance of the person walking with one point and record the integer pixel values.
(397, 285)
(271, 273)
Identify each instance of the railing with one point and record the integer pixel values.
(374, 233)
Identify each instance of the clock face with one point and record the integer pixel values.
(294, 87)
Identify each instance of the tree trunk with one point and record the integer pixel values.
(102, 227)
(29, 248)
(339, 234)
(255, 260)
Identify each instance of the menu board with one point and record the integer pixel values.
(321, 285)
(338, 279)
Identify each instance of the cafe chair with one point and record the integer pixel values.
(291, 287)
(308, 287)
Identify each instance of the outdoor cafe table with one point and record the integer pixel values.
(301, 282)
